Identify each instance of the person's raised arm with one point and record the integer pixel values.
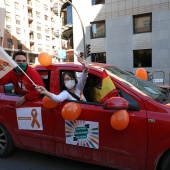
(84, 63)
(42, 90)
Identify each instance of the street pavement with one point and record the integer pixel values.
(29, 160)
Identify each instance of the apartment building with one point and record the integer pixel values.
(29, 26)
(126, 33)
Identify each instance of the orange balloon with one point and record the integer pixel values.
(119, 120)
(48, 103)
(71, 111)
(141, 73)
(44, 59)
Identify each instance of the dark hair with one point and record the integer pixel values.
(19, 53)
(70, 74)
(96, 80)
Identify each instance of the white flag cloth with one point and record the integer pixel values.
(6, 63)
(2, 21)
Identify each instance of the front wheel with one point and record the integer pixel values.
(6, 143)
(165, 162)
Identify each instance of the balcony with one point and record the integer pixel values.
(56, 33)
(32, 48)
(67, 30)
(30, 17)
(55, 6)
(29, 3)
(31, 39)
(31, 28)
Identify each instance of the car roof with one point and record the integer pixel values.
(93, 65)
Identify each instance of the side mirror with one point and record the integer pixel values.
(116, 103)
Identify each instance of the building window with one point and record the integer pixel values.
(39, 47)
(18, 30)
(8, 16)
(17, 18)
(69, 15)
(99, 57)
(8, 28)
(45, 7)
(7, 2)
(142, 58)
(38, 26)
(46, 17)
(39, 36)
(47, 38)
(47, 29)
(37, 3)
(31, 36)
(142, 23)
(95, 2)
(30, 13)
(19, 45)
(47, 49)
(98, 29)
(38, 14)
(10, 43)
(29, 2)
(32, 58)
(16, 5)
(32, 48)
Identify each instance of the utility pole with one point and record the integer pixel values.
(82, 28)
(59, 29)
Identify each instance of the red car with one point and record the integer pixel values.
(144, 144)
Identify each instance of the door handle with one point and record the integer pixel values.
(11, 107)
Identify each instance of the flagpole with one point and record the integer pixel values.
(7, 59)
(26, 75)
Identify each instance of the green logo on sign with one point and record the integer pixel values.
(81, 132)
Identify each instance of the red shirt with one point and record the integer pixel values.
(22, 84)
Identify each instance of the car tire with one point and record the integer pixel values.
(6, 143)
(165, 163)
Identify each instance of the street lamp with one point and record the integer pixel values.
(81, 26)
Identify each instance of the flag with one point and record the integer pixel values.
(108, 88)
(2, 21)
(6, 63)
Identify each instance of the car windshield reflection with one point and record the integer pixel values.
(145, 87)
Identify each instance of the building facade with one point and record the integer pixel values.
(30, 26)
(126, 33)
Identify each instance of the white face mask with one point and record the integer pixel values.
(70, 84)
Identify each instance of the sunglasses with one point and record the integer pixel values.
(19, 61)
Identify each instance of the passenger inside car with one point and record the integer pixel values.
(73, 89)
(95, 92)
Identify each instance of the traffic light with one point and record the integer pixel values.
(81, 54)
(88, 52)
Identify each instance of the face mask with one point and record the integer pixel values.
(23, 67)
(70, 84)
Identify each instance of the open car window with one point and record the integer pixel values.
(87, 87)
(9, 90)
(45, 75)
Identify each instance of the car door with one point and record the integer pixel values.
(31, 125)
(91, 137)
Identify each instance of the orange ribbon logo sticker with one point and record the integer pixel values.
(34, 115)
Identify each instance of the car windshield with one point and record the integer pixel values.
(145, 87)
